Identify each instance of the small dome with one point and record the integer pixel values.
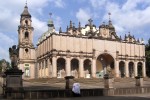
(111, 26)
(102, 26)
(50, 23)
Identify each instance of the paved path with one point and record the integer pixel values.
(129, 97)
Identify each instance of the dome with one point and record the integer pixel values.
(111, 26)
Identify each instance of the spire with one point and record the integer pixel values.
(90, 23)
(26, 12)
(109, 18)
(110, 23)
(79, 28)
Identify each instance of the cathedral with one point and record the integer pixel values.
(82, 52)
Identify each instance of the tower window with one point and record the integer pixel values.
(26, 50)
(26, 34)
(26, 22)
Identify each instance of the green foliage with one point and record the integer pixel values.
(7, 64)
(147, 53)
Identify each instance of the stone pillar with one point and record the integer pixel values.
(41, 69)
(117, 68)
(68, 66)
(54, 65)
(38, 64)
(48, 67)
(44, 69)
(108, 81)
(139, 81)
(81, 68)
(94, 67)
(144, 70)
(135, 68)
(126, 69)
(69, 82)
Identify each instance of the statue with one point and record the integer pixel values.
(13, 53)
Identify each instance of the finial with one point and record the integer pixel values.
(50, 14)
(120, 37)
(67, 29)
(79, 28)
(60, 31)
(109, 14)
(90, 21)
(70, 24)
(26, 2)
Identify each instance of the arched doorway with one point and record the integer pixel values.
(61, 73)
(74, 67)
(87, 68)
(139, 69)
(122, 69)
(104, 65)
(131, 69)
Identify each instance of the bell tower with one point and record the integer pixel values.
(25, 44)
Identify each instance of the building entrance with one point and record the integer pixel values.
(104, 65)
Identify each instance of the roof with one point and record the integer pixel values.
(25, 12)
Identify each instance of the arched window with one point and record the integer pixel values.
(26, 34)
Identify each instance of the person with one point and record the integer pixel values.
(76, 90)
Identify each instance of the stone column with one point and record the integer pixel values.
(54, 65)
(126, 69)
(41, 69)
(117, 68)
(144, 70)
(38, 64)
(135, 68)
(81, 68)
(48, 67)
(94, 67)
(44, 69)
(68, 66)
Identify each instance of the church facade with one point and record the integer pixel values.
(82, 52)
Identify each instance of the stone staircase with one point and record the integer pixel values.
(124, 80)
(81, 80)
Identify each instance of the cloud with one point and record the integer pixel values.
(57, 22)
(130, 16)
(83, 15)
(58, 3)
(97, 4)
(5, 43)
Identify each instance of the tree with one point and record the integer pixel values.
(4, 63)
(147, 53)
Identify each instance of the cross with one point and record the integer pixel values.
(50, 14)
(109, 15)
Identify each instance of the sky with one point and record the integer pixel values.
(127, 16)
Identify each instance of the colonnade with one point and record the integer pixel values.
(48, 68)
